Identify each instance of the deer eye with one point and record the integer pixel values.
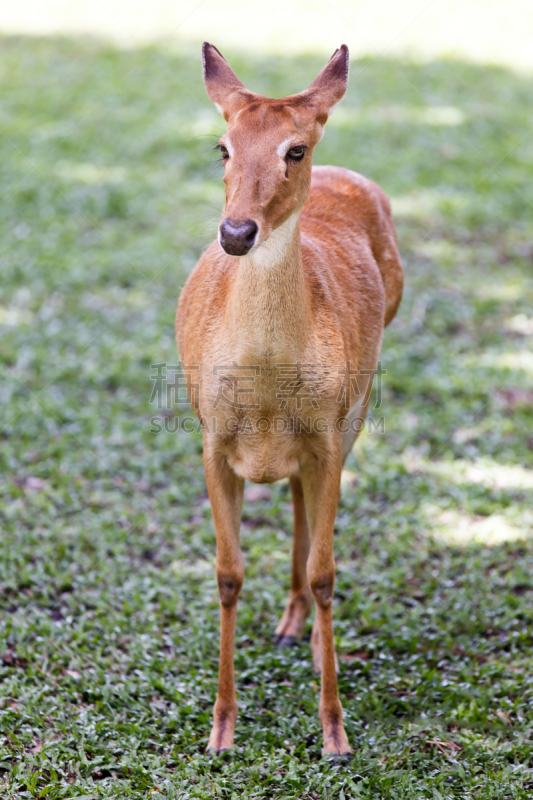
(223, 152)
(297, 153)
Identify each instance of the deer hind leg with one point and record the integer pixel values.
(225, 492)
(321, 485)
(292, 623)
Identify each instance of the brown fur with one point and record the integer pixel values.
(318, 287)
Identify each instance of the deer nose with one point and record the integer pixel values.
(237, 238)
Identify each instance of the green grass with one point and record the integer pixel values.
(109, 625)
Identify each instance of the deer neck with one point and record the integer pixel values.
(269, 306)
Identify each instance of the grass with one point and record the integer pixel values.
(109, 623)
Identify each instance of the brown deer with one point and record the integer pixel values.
(292, 298)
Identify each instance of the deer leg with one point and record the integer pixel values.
(321, 485)
(315, 648)
(291, 625)
(225, 492)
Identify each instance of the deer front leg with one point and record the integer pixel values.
(225, 493)
(291, 625)
(316, 650)
(321, 485)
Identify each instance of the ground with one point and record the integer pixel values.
(109, 626)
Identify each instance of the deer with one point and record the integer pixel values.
(305, 271)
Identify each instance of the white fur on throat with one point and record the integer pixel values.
(275, 248)
(268, 301)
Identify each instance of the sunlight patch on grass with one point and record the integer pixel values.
(199, 568)
(396, 115)
(481, 30)
(15, 316)
(115, 300)
(90, 173)
(522, 361)
(444, 251)
(481, 470)
(510, 290)
(456, 527)
(348, 478)
(520, 324)
(422, 204)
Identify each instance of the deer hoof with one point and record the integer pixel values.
(343, 759)
(212, 751)
(285, 641)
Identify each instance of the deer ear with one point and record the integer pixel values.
(223, 87)
(329, 86)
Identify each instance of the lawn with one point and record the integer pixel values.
(109, 191)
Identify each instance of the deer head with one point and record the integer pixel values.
(268, 147)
